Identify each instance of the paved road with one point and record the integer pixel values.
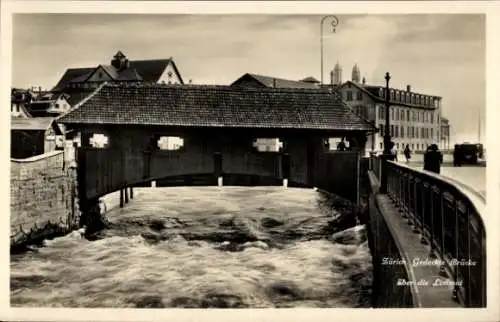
(473, 177)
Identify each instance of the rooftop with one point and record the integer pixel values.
(32, 124)
(149, 70)
(216, 106)
(268, 81)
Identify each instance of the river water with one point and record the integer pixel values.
(205, 247)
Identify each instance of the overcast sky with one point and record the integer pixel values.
(441, 55)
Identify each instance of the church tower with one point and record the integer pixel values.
(356, 75)
(336, 75)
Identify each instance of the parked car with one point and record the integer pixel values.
(467, 153)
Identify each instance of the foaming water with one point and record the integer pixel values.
(203, 247)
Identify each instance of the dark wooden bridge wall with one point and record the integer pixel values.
(130, 160)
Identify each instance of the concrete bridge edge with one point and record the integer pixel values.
(374, 193)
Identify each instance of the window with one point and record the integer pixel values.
(381, 92)
(100, 75)
(416, 132)
(396, 131)
(408, 115)
(422, 132)
(432, 133)
(381, 129)
(412, 131)
(397, 114)
(392, 95)
(408, 132)
(432, 118)
(349, 96)
(381, 147)
(359, 96)
(98, 140)
(392, 114)
(397, 96)
(170, 143)
(392, 130)
(381, 111)
(268, 144)
(402, 132)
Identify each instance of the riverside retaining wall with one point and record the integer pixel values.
(43, 198)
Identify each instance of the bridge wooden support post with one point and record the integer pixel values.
(131, 192)
(218, 168)
(121, 198)
(126, 194)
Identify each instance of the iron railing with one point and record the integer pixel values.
(448, 220)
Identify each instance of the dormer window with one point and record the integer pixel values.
(392, 95)
(397, 96)
(381, 92)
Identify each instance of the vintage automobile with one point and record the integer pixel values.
(467, 153)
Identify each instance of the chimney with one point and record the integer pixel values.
(274, 82)
(364, 81)
(39, 89)
(408, 88)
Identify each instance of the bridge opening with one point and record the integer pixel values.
(99, 141)
(170, 143)
(268, 145)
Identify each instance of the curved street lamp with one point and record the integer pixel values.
(334, 23)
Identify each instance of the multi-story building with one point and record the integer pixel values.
(81, 82)
(415, 118)
(445, 134)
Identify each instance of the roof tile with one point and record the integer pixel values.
(216, 106)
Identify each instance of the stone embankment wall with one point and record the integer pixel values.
(43, 198)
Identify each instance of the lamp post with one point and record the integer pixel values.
(387, 135)
(334, 23)
(387, 155)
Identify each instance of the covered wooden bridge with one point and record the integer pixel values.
(131, 134)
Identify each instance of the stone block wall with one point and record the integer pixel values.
(43, 198)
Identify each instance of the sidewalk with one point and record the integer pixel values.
(426, 276)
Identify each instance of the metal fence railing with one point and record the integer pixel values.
(448, 219)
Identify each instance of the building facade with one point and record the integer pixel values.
(445, 134)
(415, 118)
(50, 104)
